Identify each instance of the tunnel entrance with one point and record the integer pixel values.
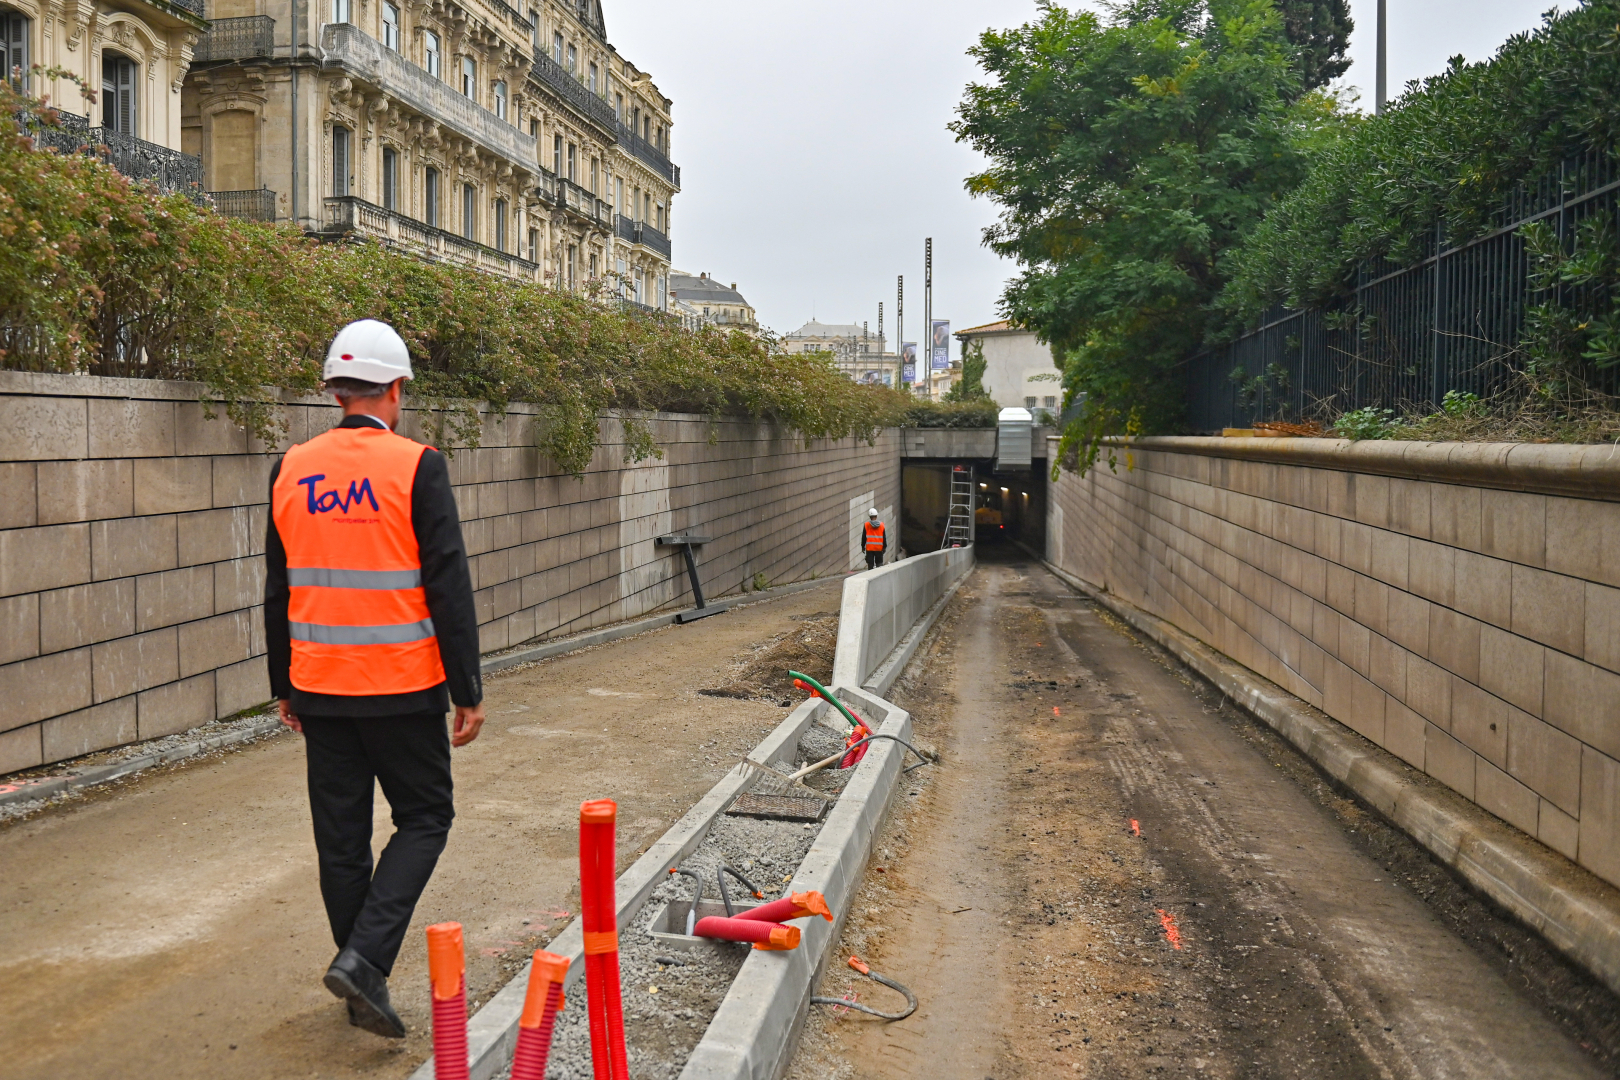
(1009, 507)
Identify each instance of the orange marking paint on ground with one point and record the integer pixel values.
(1171, 934)
(1055, 711)
(1136, 829)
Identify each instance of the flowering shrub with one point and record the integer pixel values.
(102, 276)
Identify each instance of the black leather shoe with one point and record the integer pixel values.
(353, 978)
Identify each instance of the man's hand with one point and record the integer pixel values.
(469, 720)
(285, 709)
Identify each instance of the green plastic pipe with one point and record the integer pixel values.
(824, 692)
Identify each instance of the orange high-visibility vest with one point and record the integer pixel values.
(874, 536)
(358, 614)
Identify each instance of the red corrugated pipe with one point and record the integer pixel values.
(447, 971)
(599, 914)
(540, 1007)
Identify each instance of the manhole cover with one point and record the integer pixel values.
(786, 807)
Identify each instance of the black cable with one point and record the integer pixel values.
(697, 894)
(911, 999)
(926, 760)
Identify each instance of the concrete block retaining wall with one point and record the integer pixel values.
(881, 606)
(1457, 604)
(132, 535)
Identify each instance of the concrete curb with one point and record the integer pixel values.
(613, 633)
(883, 679)
(28, 790)
(1573, 909)
(753, 1034)
(492, 1030)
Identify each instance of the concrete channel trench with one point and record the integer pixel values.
(671, 994)
(731, 1011)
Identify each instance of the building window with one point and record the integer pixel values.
(573, 163)
(469, 212)
(534, 128)
(118, 93)
(390, 27)
(390, 179)
(618, 107)
(534, 29)
(573, 59)
(498, 91)
(594, 189)
(534, 245)
(430, 196)
(659, 217)
(573, 265)
(593, 267)
(556, 154)
(1050, 402)
(341, 138)
(618, 196)
(500, 224)
(340, 11)
(557, 46)
(469, 77)
(1029, 403)
(430, 53)
(590, 78)
(14, 48)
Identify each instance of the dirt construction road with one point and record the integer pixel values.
(173, 928)
(1096, 809)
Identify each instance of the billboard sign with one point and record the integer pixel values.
(939, 351)
(908, 361)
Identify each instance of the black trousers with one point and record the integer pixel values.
(410, 757)
(874, 559)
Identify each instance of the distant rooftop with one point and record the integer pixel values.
(813, 329)
(1002, 327)
(703, 289)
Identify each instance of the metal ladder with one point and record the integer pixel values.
(959, 525)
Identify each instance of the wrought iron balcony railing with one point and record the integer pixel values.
(169, 170)
(351, 215)
(257, 205)
(553, 75)
(639, 232)
(649, 154)
(236, 39)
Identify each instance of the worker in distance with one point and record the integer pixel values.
(372, 635)
(876, 539)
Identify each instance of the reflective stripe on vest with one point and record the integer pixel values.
(874, 537)
(357, 612)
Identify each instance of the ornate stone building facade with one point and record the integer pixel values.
(514, 140)
(133, 54)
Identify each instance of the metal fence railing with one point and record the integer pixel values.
(236, 39)
(1453, 320)
(250, 205)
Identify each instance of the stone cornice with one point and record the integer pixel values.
(1590, 471)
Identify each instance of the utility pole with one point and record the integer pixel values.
(880, 339)
(1380, 92)
(928, 312)
(900, 327)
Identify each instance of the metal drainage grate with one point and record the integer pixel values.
(784, 807)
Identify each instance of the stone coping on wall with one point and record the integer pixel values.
(1590, 471)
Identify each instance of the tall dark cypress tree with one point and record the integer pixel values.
(1320, 30)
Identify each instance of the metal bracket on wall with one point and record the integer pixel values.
(686, 542)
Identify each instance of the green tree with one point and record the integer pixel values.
(1320, 31)
(1128, 155)
(970, 387)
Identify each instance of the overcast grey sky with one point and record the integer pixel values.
(812, 143)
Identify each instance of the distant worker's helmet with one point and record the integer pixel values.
(368, 350)
(872, 512)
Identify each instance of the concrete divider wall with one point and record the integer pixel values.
(132, 533)
(1457, 604)
(880, 606)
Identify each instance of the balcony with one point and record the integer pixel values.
(366, 59)
(257, 205)
(639, 232)
(563, 194)
(236, 39)
(648, 154)
(351, 216)
(169, 170)
(554, 76)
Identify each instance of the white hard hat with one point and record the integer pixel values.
(368, 350)
(872, 512)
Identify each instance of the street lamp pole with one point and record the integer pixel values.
(928, 312)
(900, 326)
(1380, 92)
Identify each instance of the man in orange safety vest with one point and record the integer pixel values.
(877, 540)
(371, 634)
